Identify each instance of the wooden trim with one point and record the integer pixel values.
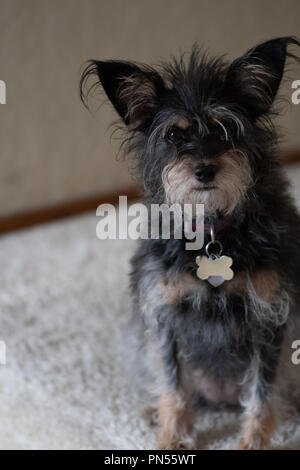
(291, 157)
(68, 209)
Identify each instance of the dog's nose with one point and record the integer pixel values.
(205, 173)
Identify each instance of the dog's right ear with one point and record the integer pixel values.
(133, 90)
(255, 77)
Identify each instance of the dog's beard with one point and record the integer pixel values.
(225, 193)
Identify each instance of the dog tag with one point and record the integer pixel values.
(214, 270)
(216, 281)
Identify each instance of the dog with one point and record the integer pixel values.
(201, 132)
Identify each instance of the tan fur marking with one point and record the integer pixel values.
(237, 284)
(233, 180)
(258, 429)
(174, 290)
(214, 120)
(230, 185)
(175, 421)
(265, 283)
(171, 292)
(179, 181)
(183, 123)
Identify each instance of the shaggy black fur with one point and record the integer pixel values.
(218, 332)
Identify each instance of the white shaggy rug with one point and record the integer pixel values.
(63, 302)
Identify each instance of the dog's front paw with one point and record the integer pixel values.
(256, 442)
(186, 443)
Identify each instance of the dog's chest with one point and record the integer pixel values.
(210, 325)
(215, 333)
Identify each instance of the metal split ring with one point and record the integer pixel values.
(214, 254)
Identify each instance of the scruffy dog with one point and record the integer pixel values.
(201, 133)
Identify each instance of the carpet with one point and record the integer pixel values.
(63, 303)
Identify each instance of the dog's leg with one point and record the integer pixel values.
(260, 422)
(260, 413)
(174, 413)
(175, 421)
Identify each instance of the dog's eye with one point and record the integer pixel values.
(175, 135)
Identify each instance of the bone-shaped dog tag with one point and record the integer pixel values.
(214, 270)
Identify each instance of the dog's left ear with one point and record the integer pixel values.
(255, 77)
(133, 90)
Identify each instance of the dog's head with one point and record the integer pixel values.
(200, 130)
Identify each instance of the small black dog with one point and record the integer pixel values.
(201, 132)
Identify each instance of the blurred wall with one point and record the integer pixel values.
(51, 148)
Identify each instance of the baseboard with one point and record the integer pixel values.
(68, 209)
(291, 157)
(48, 214)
